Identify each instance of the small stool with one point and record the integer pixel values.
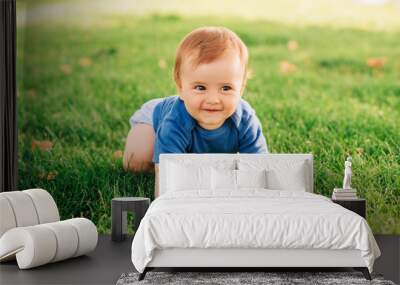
(119, 207)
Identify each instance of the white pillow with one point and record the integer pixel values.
(224, 179)
(251, 178)
(181, 177)
(229, 179)
(281, 174)
(199, 160)
(293, 179)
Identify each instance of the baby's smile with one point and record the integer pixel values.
(212, 110)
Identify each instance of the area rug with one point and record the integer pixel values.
(229, 278)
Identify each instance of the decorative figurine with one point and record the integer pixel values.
(345, 193)
(347, 174)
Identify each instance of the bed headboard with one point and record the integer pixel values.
(231, 160)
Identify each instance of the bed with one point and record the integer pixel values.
(247, 210)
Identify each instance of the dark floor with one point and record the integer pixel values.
(102, 266)
(111, 259)
(389, 262)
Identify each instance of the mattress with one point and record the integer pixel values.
(250, 219)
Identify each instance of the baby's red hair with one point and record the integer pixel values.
(206, 44)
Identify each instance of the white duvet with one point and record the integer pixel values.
(251, 218)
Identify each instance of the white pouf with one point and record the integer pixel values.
(45, 205)
(7, 216)
(31, 231)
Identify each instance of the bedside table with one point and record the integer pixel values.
(119, 207)
(357, 205)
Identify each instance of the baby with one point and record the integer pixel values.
(209, 114)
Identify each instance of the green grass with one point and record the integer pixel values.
(332, 106)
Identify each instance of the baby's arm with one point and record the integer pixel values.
(251, 138)
(171, 137)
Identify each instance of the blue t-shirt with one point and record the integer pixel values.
(178, 132)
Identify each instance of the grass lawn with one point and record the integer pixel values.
(80, 84)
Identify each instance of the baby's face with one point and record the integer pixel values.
(211, 91)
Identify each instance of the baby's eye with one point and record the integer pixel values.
(200, 88)
(226, 88)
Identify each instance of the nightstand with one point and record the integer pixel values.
(119, 207)
(357, 205)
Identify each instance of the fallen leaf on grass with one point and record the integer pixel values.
(376, 62)
(85, 62)
(117, 154)
(42, 145)
(51, 175)
(66, 68)
(162, 64)
(31, 93)
(287, 67)
(292, 45)
(41, 174)
(105, 52)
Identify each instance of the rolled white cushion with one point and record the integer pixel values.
(87, 235)
(7, 218)
(23, 208)
(26, 208)
(33, 245)
(45, 243)
(45, 205)
(67, 240)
